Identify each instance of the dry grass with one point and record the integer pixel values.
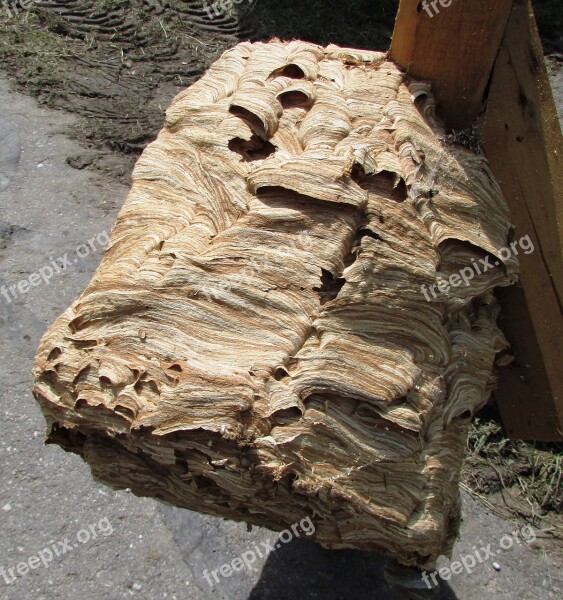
(527, 476)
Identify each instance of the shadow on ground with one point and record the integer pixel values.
(302, 569)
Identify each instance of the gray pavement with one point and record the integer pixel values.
(113, 545)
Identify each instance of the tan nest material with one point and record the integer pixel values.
(256, 343)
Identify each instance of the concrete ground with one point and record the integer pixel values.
(113, 545)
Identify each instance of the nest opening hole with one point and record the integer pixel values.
(253, 121)
(330, 286)
(293, 98)
(290, 70)
(254, 149)
(54, 354)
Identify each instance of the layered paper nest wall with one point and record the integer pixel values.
(256, 343)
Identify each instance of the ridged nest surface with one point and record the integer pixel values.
(256, 343)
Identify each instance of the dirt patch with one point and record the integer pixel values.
(117, 64)
(520, 479)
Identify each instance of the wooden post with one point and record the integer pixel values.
(522, 141)
(455, 49)
(485, 57)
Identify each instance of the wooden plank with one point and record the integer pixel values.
(523, 143)
(454, 46)
(524, 394)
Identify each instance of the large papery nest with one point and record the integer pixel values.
(256, 343)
